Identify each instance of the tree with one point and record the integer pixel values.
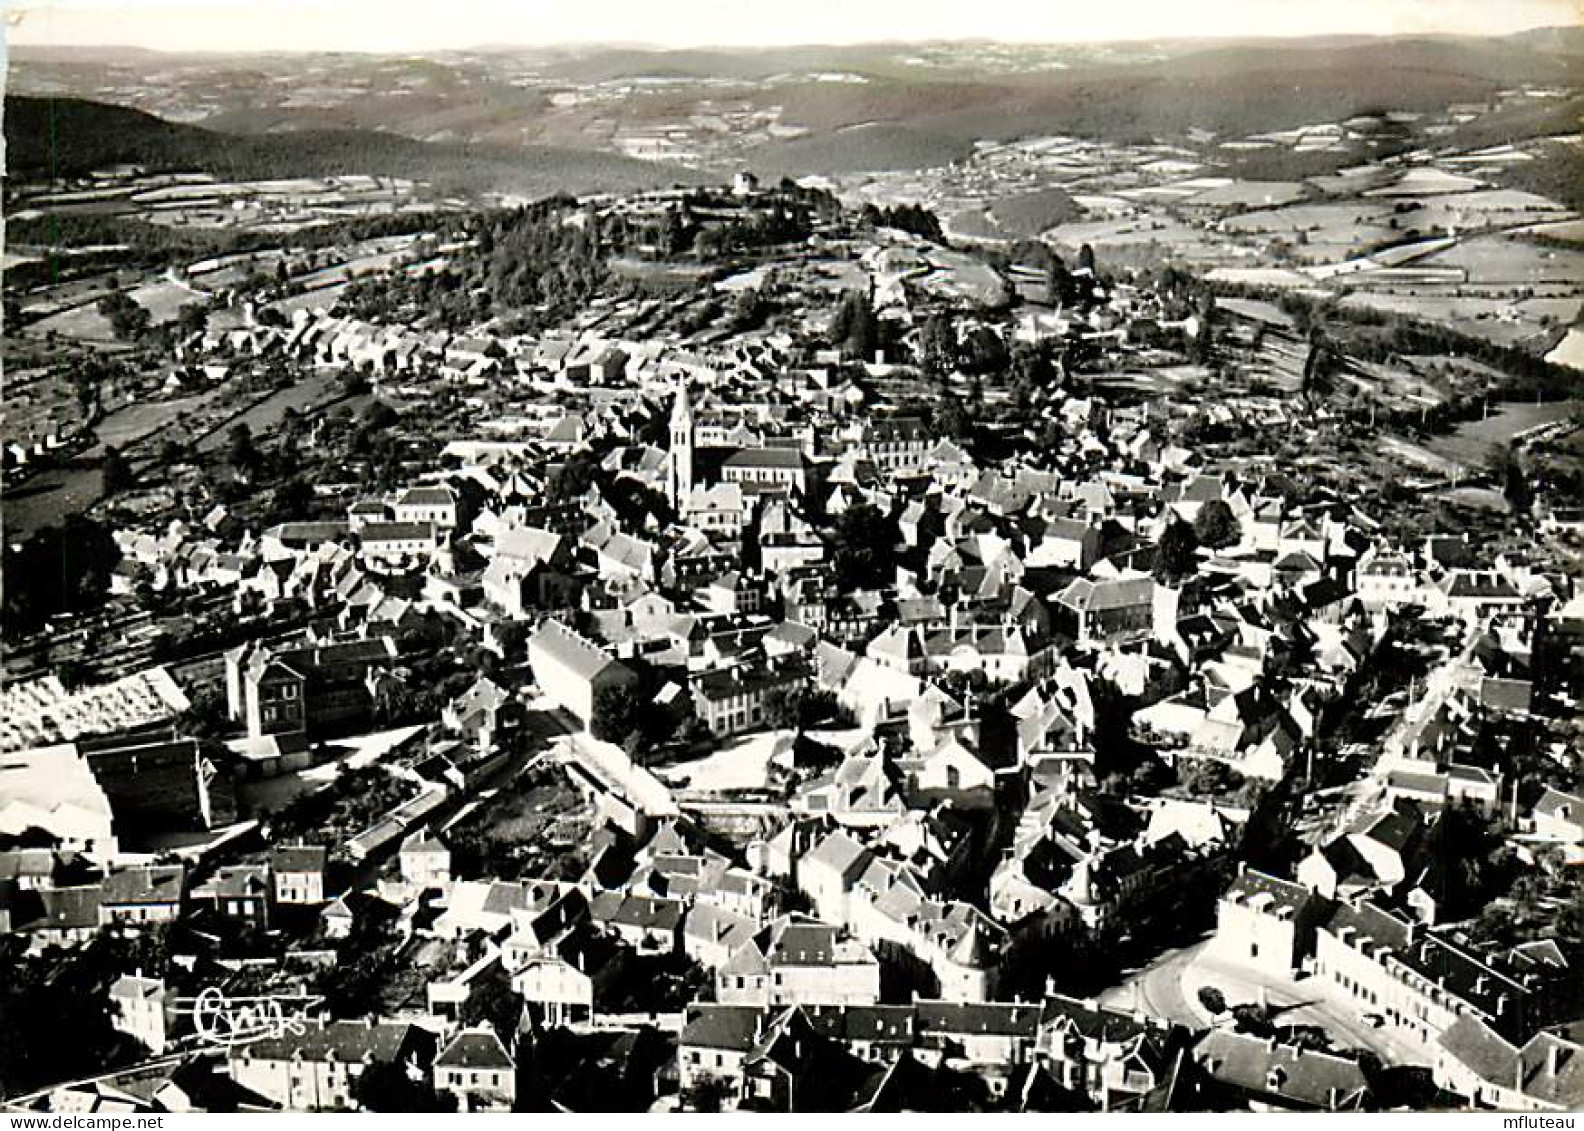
(1213, 1000)
(855, 327)
(1508, 472)
(55, 1023)
(59, 569)
(207, 714)
(572, 480)
(748, 309)
(952, 420)
(938, 345)
(171, 453)
(1204, 340)
(1316, 365)
(380, 417)
(116, 472)
(786, 708)
(1176, 554)
(866, 541)
(192, 318)
(1059, 290)
(1205, 777)
(708, 1094)
(982, 351)
(1030, 370)
(128, 320)
(618, 713)
(241, 454)
(1215, 525)
(390, 1086)
(292, 499)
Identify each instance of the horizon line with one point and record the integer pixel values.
(656, 47)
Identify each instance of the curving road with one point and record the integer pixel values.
(1169, 988)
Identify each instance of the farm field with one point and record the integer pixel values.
(323, 298)
(1249, 194)
(127, 426)
(163, 299)
(1483, 316)
(1570, 351)
(81, 323)
(1336, 223)
(1479, 211)
(49, 497)
(1471, 442)
(965, 276)
(1570, 230)
(1495, 260)
(313, 391)
(1145, 241)
(375, 260)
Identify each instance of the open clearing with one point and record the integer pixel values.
(163, 299)
(1470, 444)
(314, 390)
(126, 426)
(744, 763)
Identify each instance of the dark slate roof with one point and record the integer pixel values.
(1300, 1076)
(475, 1048)
(732, 1027)
(154, 883)
(343, 1041)
(299, 858)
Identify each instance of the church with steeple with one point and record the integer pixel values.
(680, 477)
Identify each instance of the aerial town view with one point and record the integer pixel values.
(680, 557)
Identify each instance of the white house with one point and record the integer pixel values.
(571, 669)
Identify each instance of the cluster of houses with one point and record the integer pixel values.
(942, 801)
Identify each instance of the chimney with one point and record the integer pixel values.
(1553, 1057)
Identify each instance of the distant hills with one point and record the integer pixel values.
(64, 137)
(525, 119)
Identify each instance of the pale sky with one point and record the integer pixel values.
(428, 25)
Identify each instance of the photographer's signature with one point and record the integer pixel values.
(229, 1021)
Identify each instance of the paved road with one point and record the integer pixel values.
(1159, 989)
(1169, 988)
